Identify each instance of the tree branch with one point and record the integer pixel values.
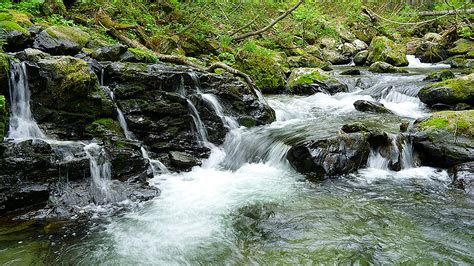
(269, 26)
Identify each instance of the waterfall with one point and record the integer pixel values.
(201, 131)
(22, 123)
(101, 173)
(377, 161)
(229, 122)
(155, 165)
(407, 158)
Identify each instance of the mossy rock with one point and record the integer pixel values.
(306, 76)
(462, 46)
(461, 62)
(16, 16)
(306, 60)
(461, 122)
(4, 71)
(452, 91)
(143, 56)
(383, 49)
(382, 67)
(105, 127)
(13, 36)
(13, 26)
(430, 52)
(3, 117)
(440, 75)
(261, 64)
(61, 40)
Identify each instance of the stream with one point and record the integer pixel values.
(246, 205)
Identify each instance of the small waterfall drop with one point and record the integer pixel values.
(407, 158)
(377, 161)
(229, 122)
(22, 123)
(101, 173)
(201, 131)
(155, 165)
(414, 62)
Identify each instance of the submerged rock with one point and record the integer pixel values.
(445, 139)
(449, 92)
(308, 81)
(382, 67)
(335, 156)
(372, 107)
(384, 50)
(463, 176)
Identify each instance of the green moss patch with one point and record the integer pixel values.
(10, 25)
(461, 122)
(462, 46)
(306, 76)
(383, 49)
(144, 56)
(3, 117)
(69, 33)
(462, 87)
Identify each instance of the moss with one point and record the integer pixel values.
(69, 33)
(247, 122)
(10, 25)
(461, 122)
(385, 50)
(462, 46)
(15, 16)
(306, 76)
(3, 117)
(105, 126)
(261, 64)
(4, 68)
(144, 56)
(310, 78)
(462, 87)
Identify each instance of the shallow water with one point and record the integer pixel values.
(246, 205)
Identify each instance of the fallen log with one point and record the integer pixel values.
(446, 12)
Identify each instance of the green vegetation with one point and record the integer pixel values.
(3, 117)
(144, 56)
(461, 122)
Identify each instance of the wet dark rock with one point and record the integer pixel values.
(371, 107)
(335, 57)
(431, 52)
(404, 126)
(351, 72)
(334, 156)
(354, 127)
(26, 196)
(110, 53)
(182, 160)
(361, 57)
(463, 176)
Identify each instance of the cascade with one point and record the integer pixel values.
(212, 100)
(22, 123)
(407, 158)
(101, 173)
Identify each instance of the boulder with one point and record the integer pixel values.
(182, 160)
(461, 62)
(412, 46)
(348, 49)
(345, 34)
(430, 52)
(261, 64)
(139, 56)
(351, 72)
(463, 176)
(383, 49)
(462, 46)
(109, 53)
(440, 75)
(313, 80)
(61, 40)
(371, 107)
(14, 33)
(450, 92)
(354, 127)
(334, 156)
(335, 57)
(360, 45)
(306, 60)
(328, 42)
(382, 67)
(361, 57)
(445, 139)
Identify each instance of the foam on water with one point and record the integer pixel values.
(414, 62)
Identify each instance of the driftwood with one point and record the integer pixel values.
(269, 26)
(445, 12)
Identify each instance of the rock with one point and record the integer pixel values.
(305, 60)
(463, 176)
(328, 42)
(4, 73)
(354, 127)
(361, 57)
(31, 55)
(461, 62)
(137, 55)
(66, 96)
(382, 67)
(462, 106)
(334, 156)
(3, 117)
(14, 33)
(364, 31)
(440, 75)
(360, 45)
(182, 160)
(261, 64)
(312, 80)
(385, 50)
(27, 196)
(450, 92)
(445, 139)
(109, 53)
(371, 107)
(348, 49)
(335, 57)
(462, 46)
(430, 52)
(404, 126)
(351, 72)
(412, 46)
(345, 34)
(61, 40)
